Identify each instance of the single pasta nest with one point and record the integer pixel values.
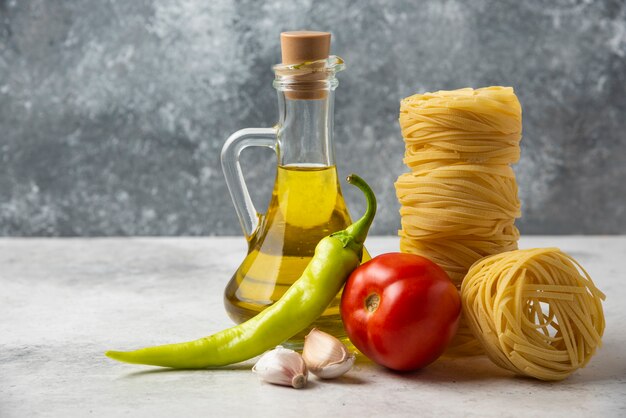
(536, 312)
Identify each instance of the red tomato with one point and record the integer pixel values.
(400, 310)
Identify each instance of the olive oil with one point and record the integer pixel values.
(306, 206)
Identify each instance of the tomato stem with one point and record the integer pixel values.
(372, 302)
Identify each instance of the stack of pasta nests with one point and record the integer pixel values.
(459, 202)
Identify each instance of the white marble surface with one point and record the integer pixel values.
(64, 301)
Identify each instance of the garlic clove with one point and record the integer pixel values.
(326, 356)
(282, 366)
(334, 370)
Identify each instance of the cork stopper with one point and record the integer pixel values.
(306, 46)
(301, 46)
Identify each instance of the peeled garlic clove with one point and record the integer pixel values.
(282, 366)
(326, 356)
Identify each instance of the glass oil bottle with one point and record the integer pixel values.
(306, 203)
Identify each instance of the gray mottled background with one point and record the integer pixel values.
(112, 113)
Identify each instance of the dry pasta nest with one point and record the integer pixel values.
(536, 312)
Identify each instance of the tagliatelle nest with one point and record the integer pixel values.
(536, 312)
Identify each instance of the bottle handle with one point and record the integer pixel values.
(248, 216)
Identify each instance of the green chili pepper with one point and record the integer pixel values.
(336, 256)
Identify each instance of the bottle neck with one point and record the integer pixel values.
(305, 130)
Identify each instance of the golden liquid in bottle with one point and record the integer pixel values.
(306, 206)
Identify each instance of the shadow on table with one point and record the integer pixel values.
(607, 365)
(466, 369)
(159, 371)
(343, 380)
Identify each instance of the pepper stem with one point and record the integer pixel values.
(358, 230)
